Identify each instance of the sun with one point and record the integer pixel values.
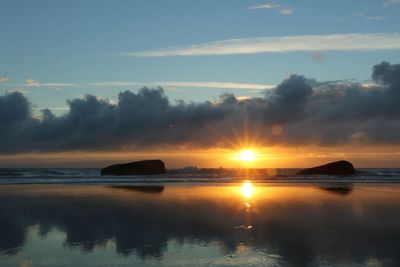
(247, 155)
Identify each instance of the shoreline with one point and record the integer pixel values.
(213, 183)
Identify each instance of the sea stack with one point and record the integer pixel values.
(144, 167)
(334, 168)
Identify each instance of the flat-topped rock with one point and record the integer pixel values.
(334, 168)
(144, 167)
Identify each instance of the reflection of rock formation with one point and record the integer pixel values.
(139, 188)
(339, 189)
(300, 233)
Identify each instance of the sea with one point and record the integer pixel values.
(93, 176)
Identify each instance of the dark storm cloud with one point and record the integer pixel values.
(306, 112)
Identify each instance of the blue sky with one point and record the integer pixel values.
(58, 50)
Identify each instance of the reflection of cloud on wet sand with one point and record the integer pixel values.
(143, 189)
(302, 225)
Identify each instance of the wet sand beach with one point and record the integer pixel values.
(241, 224)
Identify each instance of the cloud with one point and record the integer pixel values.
(333, 42)
(283, 10)
(3, 79)
(264, 6)
(391, 2)
(194, 84)
(306, 111)
(287, 10)
(377, 18)
(362, 15)
(221, 85)
(31, 82)
(54, 108)
(57, 84)
(34, 83)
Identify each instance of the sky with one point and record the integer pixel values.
(223, 75)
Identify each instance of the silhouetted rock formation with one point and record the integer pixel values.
(145, 167)
(334, 168)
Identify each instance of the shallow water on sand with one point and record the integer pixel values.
(239, 224)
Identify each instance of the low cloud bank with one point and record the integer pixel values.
(299, 111)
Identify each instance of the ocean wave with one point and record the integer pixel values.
(92, 176)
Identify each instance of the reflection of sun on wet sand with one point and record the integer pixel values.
(247, 189)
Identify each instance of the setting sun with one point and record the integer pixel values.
(247, 155)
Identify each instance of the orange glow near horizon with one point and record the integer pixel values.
(265, 157)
